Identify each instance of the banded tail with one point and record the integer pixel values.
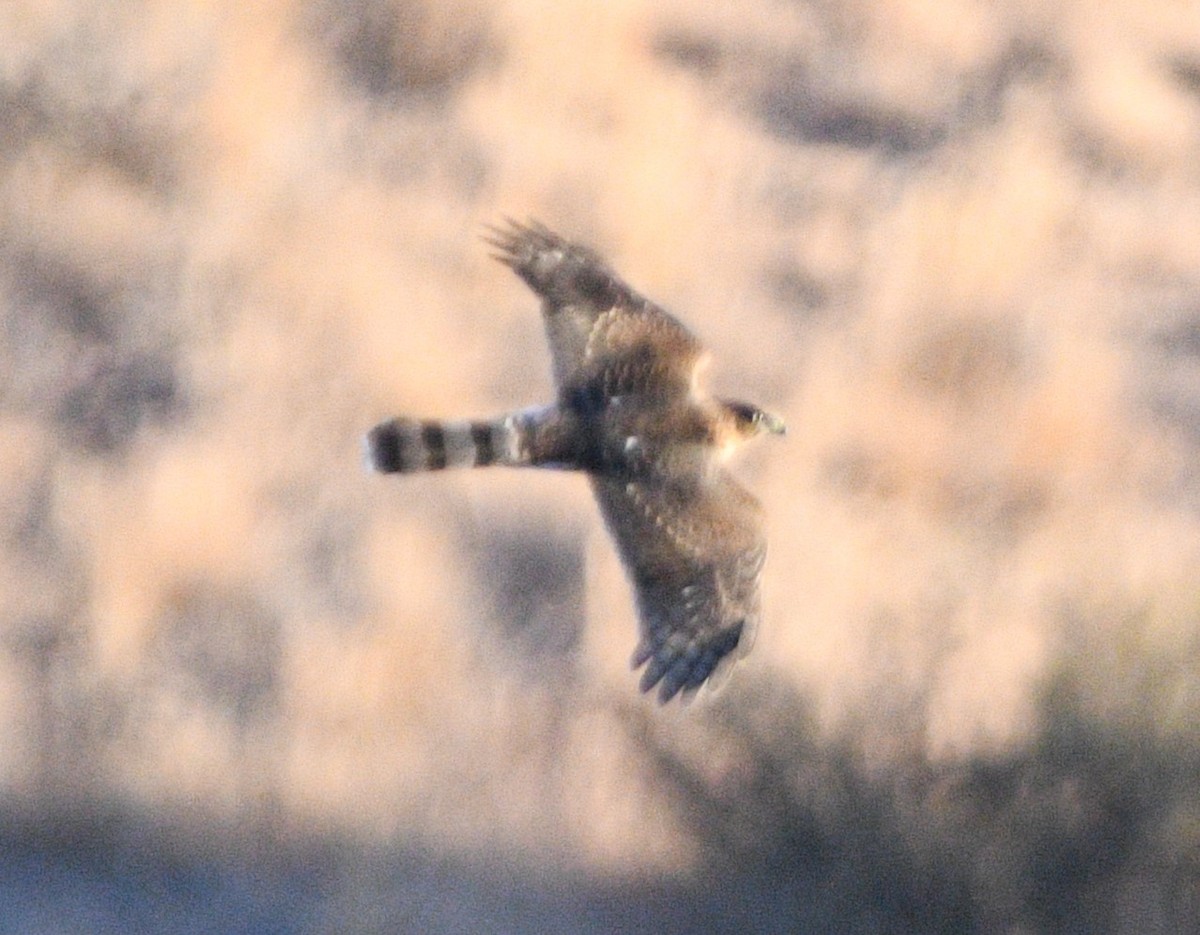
(409, 446)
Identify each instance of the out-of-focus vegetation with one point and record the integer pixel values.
(246, 687)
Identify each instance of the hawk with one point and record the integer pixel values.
(631, 414)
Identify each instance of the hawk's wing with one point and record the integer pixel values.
(694, 550)
(605, 339)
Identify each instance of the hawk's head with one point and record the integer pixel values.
(745, 421)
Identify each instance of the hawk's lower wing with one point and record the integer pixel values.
(694, 551)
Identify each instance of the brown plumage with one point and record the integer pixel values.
(631, 414)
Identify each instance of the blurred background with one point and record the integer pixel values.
(246, 687)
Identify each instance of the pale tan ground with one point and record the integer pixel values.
(956, 245)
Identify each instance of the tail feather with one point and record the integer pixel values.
(406, 446)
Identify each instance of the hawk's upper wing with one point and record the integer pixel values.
(694, 550)
(604, 337)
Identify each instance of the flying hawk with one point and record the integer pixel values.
(632, 415)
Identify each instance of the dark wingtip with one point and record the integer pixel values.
(513, 238)
(683, 673)
(655, 669)
(509, 239)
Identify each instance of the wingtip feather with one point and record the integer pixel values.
(683, 673)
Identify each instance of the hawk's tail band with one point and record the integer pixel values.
(406, 446)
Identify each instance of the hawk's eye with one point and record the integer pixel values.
(743, 413)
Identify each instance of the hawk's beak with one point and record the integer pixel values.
(773, 424)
